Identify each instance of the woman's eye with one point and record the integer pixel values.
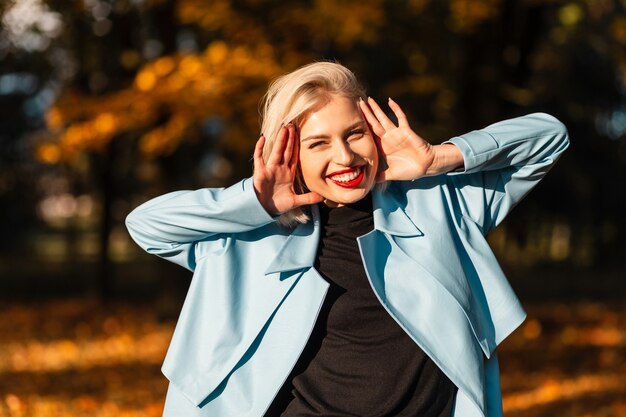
(316, 144)
(357, 133)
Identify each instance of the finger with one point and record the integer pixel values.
(402, 120)
(279, 147)
(295, 155)
(258, 152)
(380, 115)
(290, 144)
(307, 199)
(377, 128)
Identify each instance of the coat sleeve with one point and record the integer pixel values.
(171, 225)
(503, 162)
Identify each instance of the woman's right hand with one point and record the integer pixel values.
(273, 180)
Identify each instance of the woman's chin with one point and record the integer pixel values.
(348, 197)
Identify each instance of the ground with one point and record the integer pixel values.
(74, 357)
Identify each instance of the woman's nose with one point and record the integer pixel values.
(342, 153)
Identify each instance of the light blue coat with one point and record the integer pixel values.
(255, 295)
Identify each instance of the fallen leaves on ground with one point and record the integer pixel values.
(77, 358)
(567, 359)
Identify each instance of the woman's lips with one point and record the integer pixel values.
(348, 178)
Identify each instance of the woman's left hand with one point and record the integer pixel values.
(408, 155)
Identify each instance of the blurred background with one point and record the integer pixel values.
(107, 103)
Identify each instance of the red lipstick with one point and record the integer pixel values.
(348, 184)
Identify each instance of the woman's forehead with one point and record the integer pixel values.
(339, 112)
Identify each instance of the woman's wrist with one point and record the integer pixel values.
(447, 158)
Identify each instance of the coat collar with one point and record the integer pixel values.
(389, 214)
(300, 248)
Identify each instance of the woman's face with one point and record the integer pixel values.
(338, 156)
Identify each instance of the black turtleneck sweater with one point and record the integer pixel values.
(358, 361)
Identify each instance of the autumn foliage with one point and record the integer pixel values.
(171, 95)
(250, 42)
(184, 89)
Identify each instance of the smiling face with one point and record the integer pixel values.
(338, 156)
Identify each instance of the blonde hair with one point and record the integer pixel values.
(291, 97)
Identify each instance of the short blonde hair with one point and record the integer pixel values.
(291, 97)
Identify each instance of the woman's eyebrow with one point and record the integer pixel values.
(354, 125)
(320, 136)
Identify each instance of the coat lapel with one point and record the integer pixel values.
(299, 249)
(424, 291)
(390, 218)
(438, 255)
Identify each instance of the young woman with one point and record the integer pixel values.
(350, 275)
